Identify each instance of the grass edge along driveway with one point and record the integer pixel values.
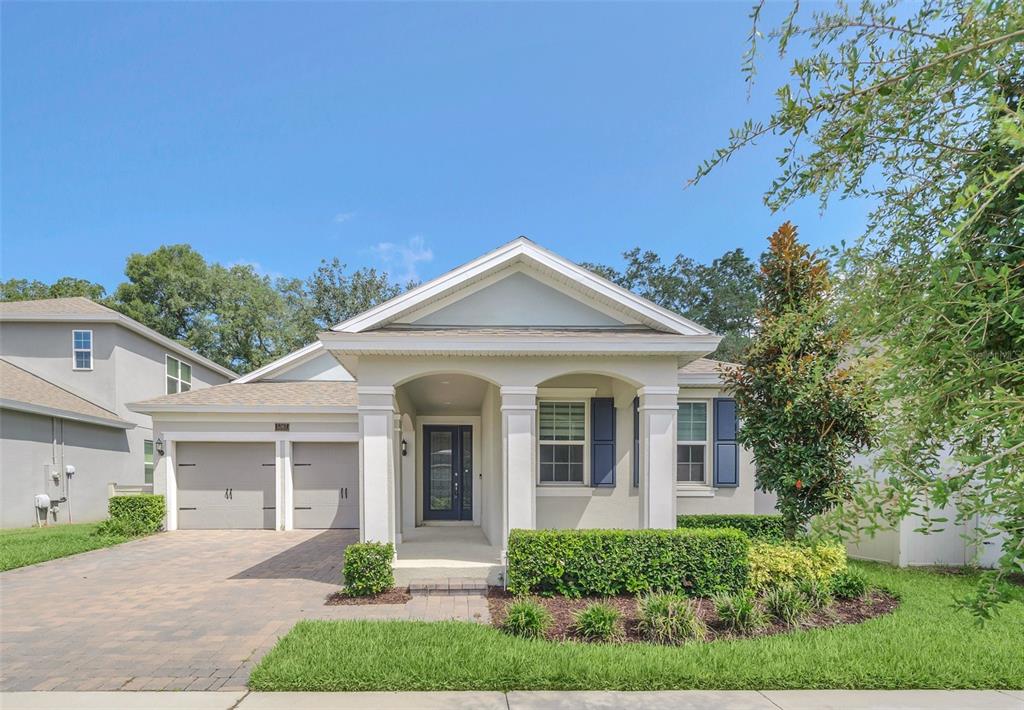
(923, 644)
(20, 547)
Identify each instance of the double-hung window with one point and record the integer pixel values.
(692, 443)
(179, 376)
(563, 439)
(81, 349)
(147, 458)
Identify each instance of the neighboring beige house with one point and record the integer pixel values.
(68, 366)
(516, 391)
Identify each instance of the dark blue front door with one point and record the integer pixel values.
(447, 472)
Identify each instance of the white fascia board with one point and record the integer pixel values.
(30, 408)
(262, 436)
(380, 342)
(283, 364)
(520, 248)
(130, 324)
(143, 408)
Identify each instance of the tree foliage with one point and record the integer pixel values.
(233, 315)
(64, 287)
(721, 296)
(918, 108)
(804, 416)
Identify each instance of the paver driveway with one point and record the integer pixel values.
(187, 609)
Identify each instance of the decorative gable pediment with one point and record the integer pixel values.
(521, 284)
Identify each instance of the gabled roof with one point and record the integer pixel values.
(586, 284)
(284, 397)
(704, 371)
(23, 391)
(81, 309)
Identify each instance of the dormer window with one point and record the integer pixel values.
(81, 349)
(179, 376)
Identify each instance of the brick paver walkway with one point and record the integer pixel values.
(183, 610)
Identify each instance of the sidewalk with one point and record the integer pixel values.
(528, 700)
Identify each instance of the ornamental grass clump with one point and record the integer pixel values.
(599, 621)
(850, 584)
(816, 593)
(526, 618)
(786, 604)
(740, 612)
(670, 619)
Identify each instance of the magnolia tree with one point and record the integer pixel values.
(804, 414)
(918, 108)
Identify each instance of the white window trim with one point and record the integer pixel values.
(703, 487)
(75, 351)
(586, 443)
(178, 378)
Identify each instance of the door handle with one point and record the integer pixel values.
(225, 494)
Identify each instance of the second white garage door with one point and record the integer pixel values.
(225, 485)
(326, 485)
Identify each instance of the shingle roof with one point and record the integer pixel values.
(55, 307)
(259, 394)
(22, 390)
(705, 366)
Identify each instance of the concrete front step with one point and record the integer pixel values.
(406, 573)
(448, 587)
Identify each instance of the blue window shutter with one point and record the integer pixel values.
(636, 442)
(602, 441)
(726, 451)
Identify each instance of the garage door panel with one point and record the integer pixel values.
(325, 485)
(225, 485)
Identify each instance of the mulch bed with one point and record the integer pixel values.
(392, 596)
(843, 611)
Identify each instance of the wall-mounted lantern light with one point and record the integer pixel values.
(405, 448)
(158, 446)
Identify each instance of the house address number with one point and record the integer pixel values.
(282, 426)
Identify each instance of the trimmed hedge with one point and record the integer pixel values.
(766, 528)
(789, 564)
(132, 516)
(577, 563)
(367, 568)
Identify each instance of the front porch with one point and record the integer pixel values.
(456, 555)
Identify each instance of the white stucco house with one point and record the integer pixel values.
(516, 391)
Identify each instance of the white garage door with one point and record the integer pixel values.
(225, 485)
(326, 485)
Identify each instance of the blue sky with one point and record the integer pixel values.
(405, 136)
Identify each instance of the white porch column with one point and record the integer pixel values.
(286, 486)
(519, 455)
(376, 464)
(171, 492)
(658, 411)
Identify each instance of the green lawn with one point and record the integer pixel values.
(27, 546)
(924, 644)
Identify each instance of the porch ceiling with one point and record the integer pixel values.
(446, 393)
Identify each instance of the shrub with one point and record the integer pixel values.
(816, 593)
(367, 568)
(740, 612)
(526, 618)
(850, 584)
(670, 618)
(788, 563)
(762, 528)
(598, 622)
(578, 563)
(133, 516)
(786, 604)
